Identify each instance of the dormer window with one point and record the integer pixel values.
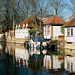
(23, 25)
(26, 24)
(19, 28)
(19, 25)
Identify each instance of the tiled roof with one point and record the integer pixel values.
(55, 19)
(28, 20)
(70, 18)
(1, 31)
(70, 23)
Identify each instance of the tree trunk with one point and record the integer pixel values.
(13, 25)
(40, 18)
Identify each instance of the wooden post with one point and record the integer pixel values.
(40, 18)
(51, 33)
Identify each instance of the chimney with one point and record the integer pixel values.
(54, 12)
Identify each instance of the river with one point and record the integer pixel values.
(17, 60)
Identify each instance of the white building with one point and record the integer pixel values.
(20, 34)
(70, 34)
(22, 31)
(52, 27)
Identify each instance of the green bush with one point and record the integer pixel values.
(32, 32)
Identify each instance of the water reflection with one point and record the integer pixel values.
(16, 60)
(22, 56)
(70, 64)
(52, 62)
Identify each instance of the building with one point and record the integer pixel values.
(21, 32)
(52, 27)
(70, 34)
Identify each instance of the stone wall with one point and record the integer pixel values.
(11, 38)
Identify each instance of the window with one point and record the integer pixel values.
(48, 29)
(71, 32)
(45, 29)
(68, 32)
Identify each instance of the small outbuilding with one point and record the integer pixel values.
(52, 27)
(70, 34)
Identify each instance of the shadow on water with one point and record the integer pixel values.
(17, 60)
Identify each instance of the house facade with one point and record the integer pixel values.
(52, 27)
(22, 32)
(70, 34)
(18, 35)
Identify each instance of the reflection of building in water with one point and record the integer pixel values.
(19, 53)
(22, 56)
(70, 64)
(52, 62)
(34, 51)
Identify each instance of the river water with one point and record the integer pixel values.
(17, 60)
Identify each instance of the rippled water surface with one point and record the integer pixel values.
(16, 60)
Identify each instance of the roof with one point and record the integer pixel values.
(1, 31)
(55, 19)
(70, 18)
(70, 23)
(28, 20)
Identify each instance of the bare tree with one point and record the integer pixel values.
(70, 6)
(36, 7)
(56, 4)
(9, 11)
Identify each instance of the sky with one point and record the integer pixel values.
(64, 12)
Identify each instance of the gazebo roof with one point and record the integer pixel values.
(55, 19)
